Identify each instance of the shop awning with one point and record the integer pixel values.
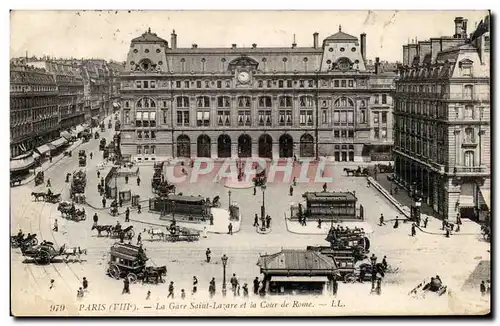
(66, 135)
(485, 193)
(59, 142)
(321, 279)
(44, 148)
(466, 195)
(21, 164)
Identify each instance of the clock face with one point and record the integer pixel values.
(243, 77)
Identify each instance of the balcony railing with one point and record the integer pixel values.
(468, 169)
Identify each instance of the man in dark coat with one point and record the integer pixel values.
(324, 187)
(256, 285)
(256, 220)
(126, 286)
(268, 221)
(138, 181)
(103, 202)
(126, 179)
(413, 230)
(230, 228)
(127, 215)
(96, 219)
(171, 290)
(207, 254)
(290, 192)
(482, 288)
(195, 284)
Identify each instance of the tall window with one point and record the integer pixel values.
(362, 116)
(324, 116)
(223, 111)
(127, 116)
(375, 117)
(468, 89)
(383, 133)
(384, 117)
(469, 158)
(469, 112)
(384, 98)
(146, 102)
(244, 104)
(203, 102)
(203, 113)
(350, 117)
(375, 98)
(265, 104)
(164, 116)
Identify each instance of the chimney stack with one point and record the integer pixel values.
(377, 65)
(405, 55)
(363, 45)
(233, 46)
(194, 46)
(315, 40)
(460, 27)
(173, 40)
(254, 46)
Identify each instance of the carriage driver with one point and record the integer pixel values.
(20, 234)
(118, 226)
(49, 192)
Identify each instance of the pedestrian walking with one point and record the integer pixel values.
(230, 228)
(122, 237)
(458, 228)
(268, 221)
(120, 201)
(373, 259)
(211, 219)
(148, 295)
(319, 223)
(195, 285)
(295, 181)
(254, 190)
(245, 290)
(207, 254)
(381, 220)
(211, 287)
(443, 224)
(103, 202)
(256, 285)
(396, 223)
(48, 183)
(139, 239)
(413, 230)
(138, 181)
(234, 282)
(50, 159)
(256, 220)
(126, 286)
(171, 290)
(139, 208)
(426, 220)
(324, 187)
(127, 215)
(183, 294)
(91, 155)
(96, 219)
(482, 288)
(79, 293)
(98, 174)
(85, 283)
(126, 179)
(56, 227)
(51, 284)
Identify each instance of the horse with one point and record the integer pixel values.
(38, 195)
(100, 228)
(155, 272)
(350, 171)
(156, 233)
(77, 252)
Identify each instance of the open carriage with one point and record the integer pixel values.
(178, 233)
(24, 241)
(127, 260)
(69, 211)
(127, 233)
(42, 254)
(433, 286)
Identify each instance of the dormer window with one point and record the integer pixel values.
(465, 67)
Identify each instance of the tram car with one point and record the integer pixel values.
(327, 206)
(191, 208)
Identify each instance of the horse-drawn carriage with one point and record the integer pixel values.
(48, 197)
(78, 183)
(129, 261)
(214, 203)
(102, 144)
(39, 178)
(385, 168)
(19, 240)
(359, 172)
(102, 126)
(82, 161)
(69, 211)
(163, 188)
(127, 233)
(42, 254)
(14, 180)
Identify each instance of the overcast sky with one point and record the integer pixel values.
(107, 34)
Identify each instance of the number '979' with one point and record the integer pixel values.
(56, 307)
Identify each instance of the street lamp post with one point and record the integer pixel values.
(224, 259)
(263, 208)
(229, 193)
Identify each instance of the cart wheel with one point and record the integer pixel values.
(131, 234)
(132, 278)
(34, 242)
(349, 278)
(42, 257)
(114, 271)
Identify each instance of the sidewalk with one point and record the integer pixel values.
(311, 227)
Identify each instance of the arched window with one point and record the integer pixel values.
(344, 101)
(146, 102)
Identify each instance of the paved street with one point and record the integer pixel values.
(418, 257)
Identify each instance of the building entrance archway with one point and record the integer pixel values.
(244, 146)
(286, 145)
(224, 146)
(265, 146)
(306, 145)
(183, 146)
(203, 146)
